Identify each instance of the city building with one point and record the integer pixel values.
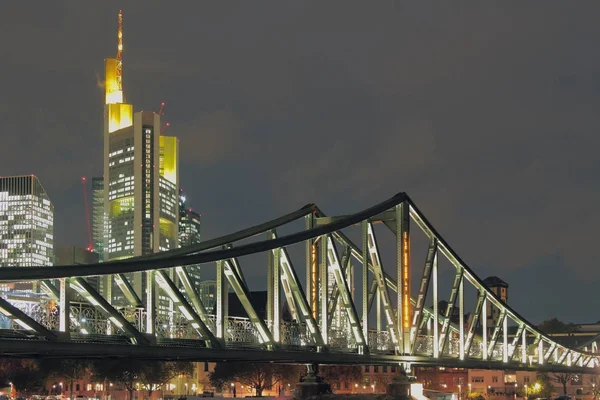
(500, 289)
(189, 234)
(207, 290)
(72, 255)
(98, 216)
(26, 224)
(141, 179)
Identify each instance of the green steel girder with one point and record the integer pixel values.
(335, 295)
(24, 320)
(422, 295)
(458, 278)
(346, 297)
(98, 302)
(128, 290)
(184, 277)
(165, 282)
(50, 289)
(231, 270)
(476, 316)
(381, 283)
(495, 334)
(289, 272)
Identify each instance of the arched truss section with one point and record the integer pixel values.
(328, 317)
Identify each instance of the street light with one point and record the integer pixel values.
(61, 387)
(373, 387)
(516, 384)
(526, 391)
(459, 391)
(594, 390)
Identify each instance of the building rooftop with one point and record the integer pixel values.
(494, 281)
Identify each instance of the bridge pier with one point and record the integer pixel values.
(399, 388)
(311, 384)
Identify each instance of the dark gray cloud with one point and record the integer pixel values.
(485, 114)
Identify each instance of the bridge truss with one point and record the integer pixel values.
(329, 323)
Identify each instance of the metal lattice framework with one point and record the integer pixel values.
(328, 324)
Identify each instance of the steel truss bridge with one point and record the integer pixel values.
(328, 324)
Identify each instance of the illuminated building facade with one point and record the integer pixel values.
(141, 180)
(26, 223)
(98, 219)
(189, 234)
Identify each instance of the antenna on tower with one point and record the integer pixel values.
(120, 35)
(162, 106)
(119, 77)
(164, 127)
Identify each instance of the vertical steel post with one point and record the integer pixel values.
(108, 298)
(309, 221)
(484, 326)
(436, 333)
(378, 297)
(403, 272)
(221, 293)
(150, 302)
(524, 346)
(505, 336)
(461, 321)
(541, 351)
(64, 307)
(324, 285)
(276, 291)
(270, 280)
(365, 281)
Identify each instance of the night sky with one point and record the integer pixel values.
(487, 115)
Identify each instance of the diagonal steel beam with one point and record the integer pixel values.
(458, 278)
(184, 277)
(515, 341)
(562, 357)
(289, 273)
(166, 284)
(128, 290)
(476, 315)
(25, 320)
(357, 254)
(495, 334)
(422, 295)
(346, 297)
(381, 283)
(115, 317)
(241, 290)
(335, 295)
(50, 289)
(550, 351)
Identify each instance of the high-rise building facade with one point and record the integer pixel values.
(141, 179)
(26, 223)
(98, 216)
(189, 234)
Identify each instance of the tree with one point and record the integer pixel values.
(554, 325)
(543, 387)
(563, 378)
(125, 373)
(155, 374)
(70, 369)
(24, 374)
(258, 376)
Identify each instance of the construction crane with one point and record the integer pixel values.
(162, 106)
(87, 216)
(164, 127)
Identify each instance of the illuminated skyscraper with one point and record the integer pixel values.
(141, 181)
(189, 234)
(98, 219)
(26, 223)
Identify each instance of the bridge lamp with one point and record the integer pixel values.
(537, 386)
